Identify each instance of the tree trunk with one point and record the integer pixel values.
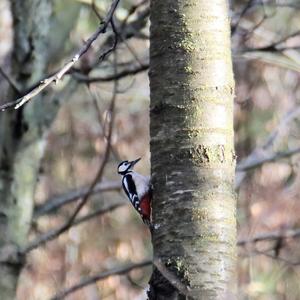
(23, 136)
(192, 153)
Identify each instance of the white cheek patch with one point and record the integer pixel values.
(123, 168)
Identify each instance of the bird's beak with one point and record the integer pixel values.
(134, 162)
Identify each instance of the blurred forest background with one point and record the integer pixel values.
(265, 45)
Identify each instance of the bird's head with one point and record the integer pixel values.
(126, 166)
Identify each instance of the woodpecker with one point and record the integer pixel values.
(137, 188)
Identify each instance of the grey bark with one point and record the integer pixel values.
(21, 139)
(23, 136)
(192, 154)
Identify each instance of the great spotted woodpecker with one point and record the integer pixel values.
(137, 188)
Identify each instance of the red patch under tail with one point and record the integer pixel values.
(145, 205)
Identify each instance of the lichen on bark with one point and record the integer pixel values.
(192, 154)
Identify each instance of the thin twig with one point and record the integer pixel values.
(131, 11)
(98, 212)
(100, 121)
(249, 165)
(169, 276)
(274, 235)
(103, 275)
(132, 29)
(132, 71)
(123, 25)
(244, 11)
(95, 10)
(60, 73)
(56, 232)
(54, 203)
(275, 257)
(264, 150)
(115, 42)
(265, 17)
(50, 235)
(11, 82)
(275, 46)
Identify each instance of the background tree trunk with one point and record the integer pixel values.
(192, 153)
(23, 135)
(21, 138)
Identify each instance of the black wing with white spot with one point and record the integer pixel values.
(130, 190)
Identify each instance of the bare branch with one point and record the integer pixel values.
(56, 232)
(95, 10)
(274, 235)
(54, 203)
(103, 275)
(275, 47)
(281, 3)
(98, 212)
(115, 42)
(117, 76)
(124, 270)
(275, 257)
(264, 151)
(259, 24)
(11, 82)
(132, 10)
(258, 3)
(284, 122)
(244, 11)
(129, 30)
(121, 271)
(95, 99)
(248, 165)
(170, 277)
(60, 73)
(133, 28)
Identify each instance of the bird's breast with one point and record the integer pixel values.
(141, 184)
